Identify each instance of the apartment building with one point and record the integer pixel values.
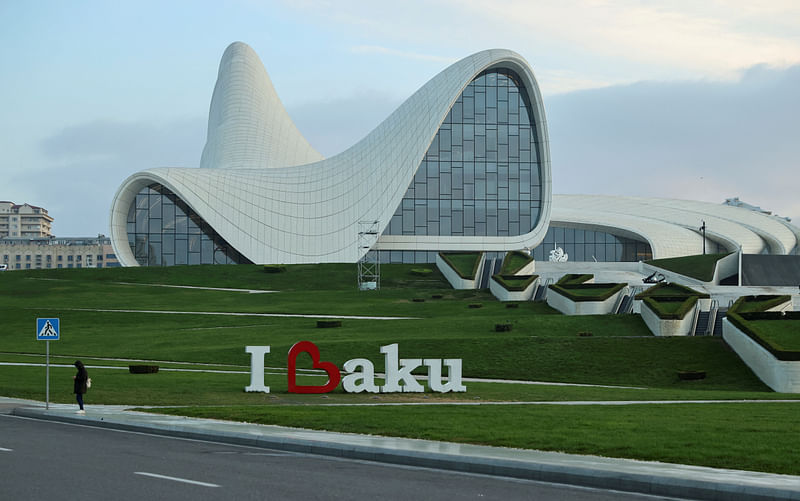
(24, 221)
(43, 253)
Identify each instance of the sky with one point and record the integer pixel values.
(676, 99)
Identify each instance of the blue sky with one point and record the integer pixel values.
(677, 99)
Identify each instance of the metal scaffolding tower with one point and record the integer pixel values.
(369, 266)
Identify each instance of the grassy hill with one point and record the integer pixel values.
(110, 315)
(542, 345)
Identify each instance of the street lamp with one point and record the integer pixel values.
(703, 229)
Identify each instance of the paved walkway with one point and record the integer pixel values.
(283, 370)
(620, 474)
(237, 314)
(225, 289)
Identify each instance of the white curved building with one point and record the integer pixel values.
(463, 164)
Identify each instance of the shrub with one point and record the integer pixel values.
(143, 369)
(475, 305)
(691, 375)
(274, 268)
(418, 300)
(436, 296)
(512, 305)
(585, 334)
(502, 327)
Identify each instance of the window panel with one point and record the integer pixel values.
(478, 138)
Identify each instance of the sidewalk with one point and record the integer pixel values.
(591, 471)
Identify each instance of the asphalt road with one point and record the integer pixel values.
(50, 460)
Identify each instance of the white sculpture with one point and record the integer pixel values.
(558, 255)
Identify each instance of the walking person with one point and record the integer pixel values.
(81, 378)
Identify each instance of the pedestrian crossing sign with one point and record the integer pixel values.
(47, 329)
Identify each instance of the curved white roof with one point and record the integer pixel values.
(256, 188)
(672, 226)
(248, 127)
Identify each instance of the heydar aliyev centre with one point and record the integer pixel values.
(463, 164)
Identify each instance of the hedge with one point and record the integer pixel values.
(143, 369)
(574, 278)
(675, 291)
(566, 291)
(274, 268)
(655, 306)
(758, 304)
(514, 283)
(756, 335)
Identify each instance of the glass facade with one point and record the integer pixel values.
(164, 231)
(481, 174)
(588, 245)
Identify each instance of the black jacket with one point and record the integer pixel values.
(80, 380)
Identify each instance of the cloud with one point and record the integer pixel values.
(332, 126)
(688, 140)
(376, 49)
(87, 162)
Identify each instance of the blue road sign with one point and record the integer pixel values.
(47, 329)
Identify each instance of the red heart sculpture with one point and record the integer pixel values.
(334, 376)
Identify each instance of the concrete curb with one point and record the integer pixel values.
(645, 482)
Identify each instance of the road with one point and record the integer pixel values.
(50, 460)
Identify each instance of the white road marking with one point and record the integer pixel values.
(176, 479)
(3, 449)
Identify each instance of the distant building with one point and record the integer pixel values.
(24, 221)
(43, 253)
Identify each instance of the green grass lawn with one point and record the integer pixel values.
(669, 306)
(782, 334)
(513, 262)
(700, 266)
(751, 304)
(761, 437)
(542, 346)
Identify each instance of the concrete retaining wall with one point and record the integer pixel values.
(503, 294)
(781, 376)
(727, 266)
(569, 307)
(454, 278)
(667, 327)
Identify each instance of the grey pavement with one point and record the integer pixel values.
(681, 481)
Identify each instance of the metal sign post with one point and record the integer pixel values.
(47, 384)
(48, 329)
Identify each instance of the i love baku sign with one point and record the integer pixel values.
(360, 372)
